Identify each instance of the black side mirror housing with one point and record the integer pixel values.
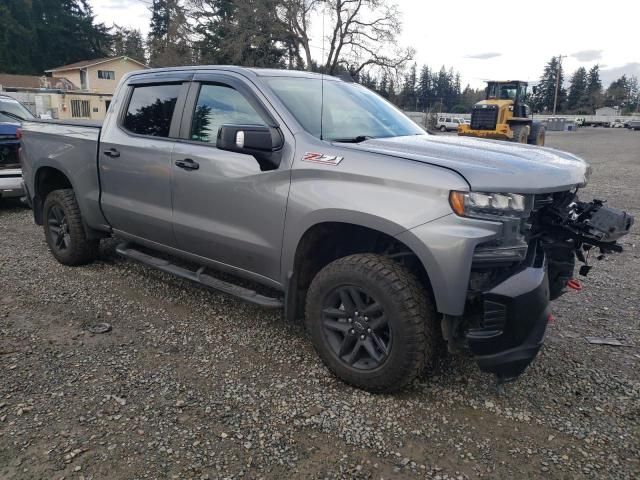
(262, 142)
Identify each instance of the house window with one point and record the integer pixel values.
(107, 74)
(80, 109)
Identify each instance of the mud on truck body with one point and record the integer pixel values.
(386, 241)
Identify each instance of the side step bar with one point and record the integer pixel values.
(199, 276)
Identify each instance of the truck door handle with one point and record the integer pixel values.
(112, 152)
(187, 164)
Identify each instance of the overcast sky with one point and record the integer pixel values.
(491, 40)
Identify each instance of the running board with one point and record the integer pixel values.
(199, 277)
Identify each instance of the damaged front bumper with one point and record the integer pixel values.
(513, 321)
(512, 311)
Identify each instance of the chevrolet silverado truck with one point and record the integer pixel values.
(389, 243)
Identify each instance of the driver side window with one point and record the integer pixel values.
(219, 105)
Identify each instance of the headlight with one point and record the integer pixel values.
(479, 204)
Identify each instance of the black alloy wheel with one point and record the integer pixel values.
(58, 228)
(356, 328)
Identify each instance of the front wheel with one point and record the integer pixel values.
(520, 133)
(64, 230)
(371, 322)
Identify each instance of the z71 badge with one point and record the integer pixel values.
(321, 158)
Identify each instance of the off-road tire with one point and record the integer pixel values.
(80, 249)
(410, 312)
(520, 133)
(537, 135)
(443, 129)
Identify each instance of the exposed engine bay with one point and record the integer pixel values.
(568, 229)
(508, 298)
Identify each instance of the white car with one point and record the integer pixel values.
(448, 124)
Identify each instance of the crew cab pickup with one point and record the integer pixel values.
(386, 240)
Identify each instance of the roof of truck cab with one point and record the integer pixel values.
(258, 72)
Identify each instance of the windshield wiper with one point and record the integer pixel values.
(12, 115)
(356, 139)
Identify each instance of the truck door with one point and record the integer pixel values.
(225, 208)
(135, 157)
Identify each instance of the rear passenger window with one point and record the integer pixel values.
(218, 105)
(150, 109)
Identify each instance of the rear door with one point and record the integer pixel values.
(225, 207)
(135, 156)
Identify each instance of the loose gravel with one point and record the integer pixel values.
(190, 383)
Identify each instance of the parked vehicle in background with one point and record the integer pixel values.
(448, 123)
(12, 113)
(634, 125)
(591, 122)
(617, 123)
(385, 239)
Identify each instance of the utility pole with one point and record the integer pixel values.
(558, 72)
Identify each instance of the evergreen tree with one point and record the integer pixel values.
(36, 35)
(425, 90)
(470, 97)
(552, 76)
(577, 99)
(169, 40)
(367, 80)
(441, 82)
(408, 97)
(634, 95)
(243, 32)
(618, 94)
(391, 92)
(129, 43)
(384, 85)
(594, 88)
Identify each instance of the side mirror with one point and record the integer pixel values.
(264, 143)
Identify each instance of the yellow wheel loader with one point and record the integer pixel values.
(503, 115)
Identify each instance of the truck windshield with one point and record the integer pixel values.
(351, 112)
(13, 110)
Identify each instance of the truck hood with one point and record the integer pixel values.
(489, 165)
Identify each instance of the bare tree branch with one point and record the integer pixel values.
(363, 33)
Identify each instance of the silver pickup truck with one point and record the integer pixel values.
(386, 240)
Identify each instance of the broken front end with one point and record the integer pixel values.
(513, 279)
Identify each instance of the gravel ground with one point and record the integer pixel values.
(194, 384)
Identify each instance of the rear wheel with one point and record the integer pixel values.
(520, 133)
(443, 128)
(371, 322)
(537, 135)
(64, 230)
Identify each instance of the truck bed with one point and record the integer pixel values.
(72, 148)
